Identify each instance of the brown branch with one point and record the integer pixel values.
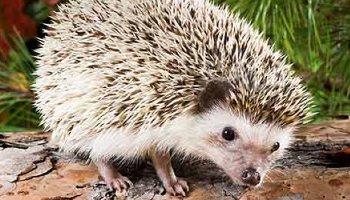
(319, 158)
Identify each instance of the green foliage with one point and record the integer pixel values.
(315, 35)
(16, 109)
(38, 11)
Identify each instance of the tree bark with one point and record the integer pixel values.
(316, 166)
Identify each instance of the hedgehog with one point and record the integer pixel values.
(149, 79)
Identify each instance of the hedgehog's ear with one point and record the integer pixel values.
(214, 92)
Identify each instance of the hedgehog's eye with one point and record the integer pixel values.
(275, 146)
(228, 133)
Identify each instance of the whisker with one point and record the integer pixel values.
(279, 172)
(267, 177)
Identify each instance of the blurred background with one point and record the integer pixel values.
(314, 34)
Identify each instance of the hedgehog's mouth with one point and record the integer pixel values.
(233, 174)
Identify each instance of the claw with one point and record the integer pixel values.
(130, 184)
(119, 184)
(114, 185)
(113, 178)
(184, 184)
(123, 184)
(178, 187)
(170, 191)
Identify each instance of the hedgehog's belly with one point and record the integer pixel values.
(110, 144)
(119, 143)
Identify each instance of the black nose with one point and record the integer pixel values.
(250, 176)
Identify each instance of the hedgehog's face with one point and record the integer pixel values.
(244, 150)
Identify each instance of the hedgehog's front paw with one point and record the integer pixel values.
(119, 183)
(176, 187)
(113, 178)
(173, 185)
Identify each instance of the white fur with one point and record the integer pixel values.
(259, 134)
(186, 134)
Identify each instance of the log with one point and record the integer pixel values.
(316, 166)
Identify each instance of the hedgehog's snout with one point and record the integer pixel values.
(250, 176)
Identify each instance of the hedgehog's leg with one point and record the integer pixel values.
(172, 184)
(112, 177)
